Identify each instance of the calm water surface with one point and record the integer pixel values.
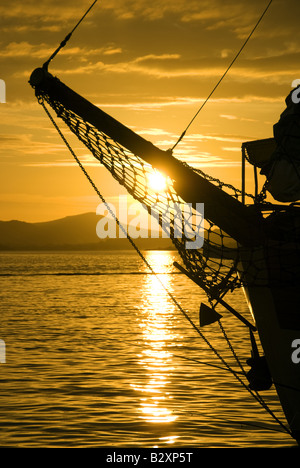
(98, 355)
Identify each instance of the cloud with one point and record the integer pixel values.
(155, 65)
(152, 132)
(215, 137)
(166, 65)
(112, 51)
(188, 102)
(26, 49)
(231, 148)
(190, 11)
(26, 144)
(87, 160)
(228, 116)
(152, 64)
(45, 10)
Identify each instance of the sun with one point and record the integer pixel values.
(157, 181)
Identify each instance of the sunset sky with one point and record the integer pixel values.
(150, 65)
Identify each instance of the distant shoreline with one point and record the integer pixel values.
(72, 233)
(82, 249)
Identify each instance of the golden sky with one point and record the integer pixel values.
(150, 65)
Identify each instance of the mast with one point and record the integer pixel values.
(242, 223)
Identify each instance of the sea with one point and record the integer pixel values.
(98, 351)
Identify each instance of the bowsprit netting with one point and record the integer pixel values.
(221, 264)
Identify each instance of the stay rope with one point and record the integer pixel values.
(223, 76)
(255, 395)
(68, 37)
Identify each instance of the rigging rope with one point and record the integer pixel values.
(254, 394)
(223, 76)
(174, 300)
(41, 100)
(68, 37)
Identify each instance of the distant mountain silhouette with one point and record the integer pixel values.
(70, 233)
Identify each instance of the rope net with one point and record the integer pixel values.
(219, 265)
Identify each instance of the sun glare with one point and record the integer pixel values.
(157, 181)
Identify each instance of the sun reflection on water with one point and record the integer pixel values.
(157, 324)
